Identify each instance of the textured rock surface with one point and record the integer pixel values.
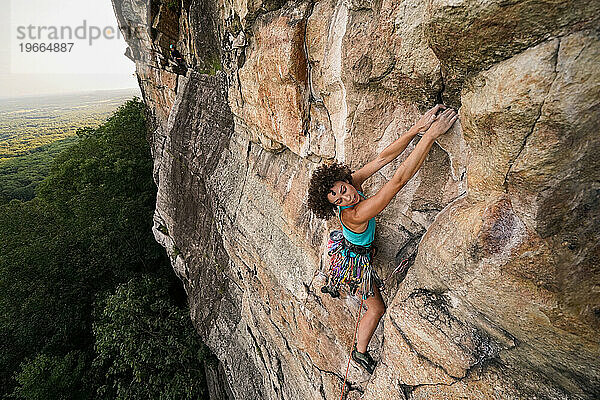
(503, 298)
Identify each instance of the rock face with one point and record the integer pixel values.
(502, 300)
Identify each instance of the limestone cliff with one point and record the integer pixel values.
(502, 300)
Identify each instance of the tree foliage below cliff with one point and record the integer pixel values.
(20, 175)
(83, 283)
(139, 312)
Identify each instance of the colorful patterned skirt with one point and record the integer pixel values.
(352, 265)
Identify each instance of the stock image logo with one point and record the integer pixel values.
(74, 37)
(85, 32)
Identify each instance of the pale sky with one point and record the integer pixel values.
(99, 65)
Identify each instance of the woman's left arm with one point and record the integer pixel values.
(396, 148)
(368, 208)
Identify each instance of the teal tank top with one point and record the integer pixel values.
(360, 239)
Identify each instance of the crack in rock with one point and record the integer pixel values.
(526, 138)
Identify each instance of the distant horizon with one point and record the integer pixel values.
(79, 92)
(87, 66)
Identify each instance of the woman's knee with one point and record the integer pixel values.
(377, 308)
(380, 310)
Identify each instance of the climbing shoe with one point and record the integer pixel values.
(364, 360)
(332, 292)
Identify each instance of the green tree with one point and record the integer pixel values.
(103, 189)
(51, 377)
(87, 231)
(147, 345)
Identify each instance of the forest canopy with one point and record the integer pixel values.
(89, 305)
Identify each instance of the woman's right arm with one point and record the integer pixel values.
(393, 150)
(372, 206)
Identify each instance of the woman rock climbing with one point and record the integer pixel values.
(334, 189)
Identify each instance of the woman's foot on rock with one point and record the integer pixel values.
(364, 360)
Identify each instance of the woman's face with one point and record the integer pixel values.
(343, 194)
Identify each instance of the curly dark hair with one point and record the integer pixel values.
(321, 182)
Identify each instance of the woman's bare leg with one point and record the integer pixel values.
(368, 323)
